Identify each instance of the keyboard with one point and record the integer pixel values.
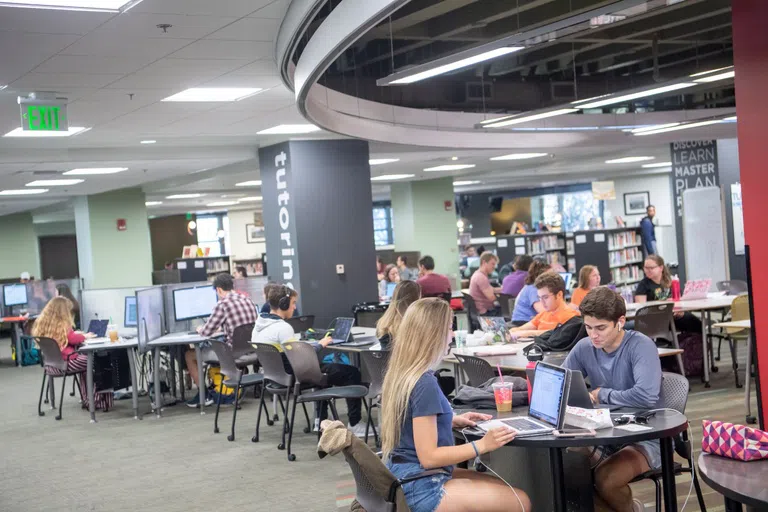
(523, 424)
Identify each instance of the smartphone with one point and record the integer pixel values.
(574, 432)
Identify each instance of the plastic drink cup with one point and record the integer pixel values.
(461, 339)
(502, 392)
(112, 332)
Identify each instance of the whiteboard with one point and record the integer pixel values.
(704, 235)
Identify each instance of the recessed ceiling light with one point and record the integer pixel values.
(449, 167)
(519, 156)
(73, 5)
(635, 95)
(464, 183)
(18, 132)
(148, 141)
(289, 129)
(630, 159)
(251, 198)
(153, 203)
(454, 158)
(223, 203)
(506, 121)
(381, 161)
(252, 183)
(657, 164)
(184, 196)
(53, 183)
(389, 177)
(95, 170)
(214, 94)
(23, 192)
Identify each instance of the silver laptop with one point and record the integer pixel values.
(342, 330)
(546, 412)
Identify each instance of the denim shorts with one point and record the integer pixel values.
(651, 450)
(425, 494)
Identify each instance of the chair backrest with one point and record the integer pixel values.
(655, 321)
(51, 353)
(376, 362)
(271, 360)
(674, 390)
(366, 494)
(733, 287)
(478, 370)
(301, 323)
(305, 364)
(227, 364)
(507, 305)
(471, 307)
(740, 308)
(241, 340)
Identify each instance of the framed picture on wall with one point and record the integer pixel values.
(635, 203)
(254, 234)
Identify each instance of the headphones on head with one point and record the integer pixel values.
(285, 302)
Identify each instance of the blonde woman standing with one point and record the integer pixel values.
(417, 423)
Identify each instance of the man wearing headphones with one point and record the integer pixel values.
(273, 328)
(623, 368)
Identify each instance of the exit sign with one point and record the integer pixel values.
(43, 115)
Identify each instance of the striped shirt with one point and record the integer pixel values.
(229, 313)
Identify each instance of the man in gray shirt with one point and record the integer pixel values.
(623, 368)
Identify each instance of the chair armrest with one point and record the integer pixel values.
(397, 483)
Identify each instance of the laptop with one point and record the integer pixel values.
(696, 289)
(548, 402)
(578, 394)
(342, 330)
(98, 327)
(567, 278)
(496, 325)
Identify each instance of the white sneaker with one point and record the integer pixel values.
(358, 430)
(317, 425)
(637, 506)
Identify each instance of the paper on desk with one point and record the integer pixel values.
(633, 427)
(588, 418)
(495, 350)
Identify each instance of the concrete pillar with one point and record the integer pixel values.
(21, 248)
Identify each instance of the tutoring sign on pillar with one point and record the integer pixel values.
(694, 165)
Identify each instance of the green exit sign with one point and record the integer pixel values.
(43, 116)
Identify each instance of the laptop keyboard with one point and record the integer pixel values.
(522, 424)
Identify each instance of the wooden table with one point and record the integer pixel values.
(744, 324)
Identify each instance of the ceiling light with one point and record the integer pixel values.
(652, 127)
(53, 183)
(23, 192)
(657, 164)
(184, 196)
(19, 132)
(680, 127)
(96, 170)
(464, 183)
(636, 95)
(630, 159)
(731, 118)
(715, 78)
(449, 167)
(289, 129)
(148, 141)
(214, 94)
(381, 161)
(506, 121)
(252, 183)
(73, 5)
(153, 203)
(411, 76)
(520, 156)
(247, 199)
(388, 177)
(223, 203)
(454, 158)
(702, 73)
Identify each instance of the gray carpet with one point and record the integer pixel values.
(175, 463)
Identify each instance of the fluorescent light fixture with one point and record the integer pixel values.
(453, 66)
(289, 129)
(252, 183)
(388, 177)
(653, 127)
(519, 156)
(630, 159)
(506, 121)
(95, 170)
(382, 161)
(680, 127)
(715, 78)
(702, 73)
(215, 94)
(732, 118)
(465, 183)
(53, 183)
(449, 167)
(589, 100)
(148, 141)
(184, 196)
(153, 203)
(115, 6)
(18, 132)
(23, 192)
(657, 164)
(249, 199)
(636, 95)
(223, 203)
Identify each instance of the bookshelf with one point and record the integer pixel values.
(550, 246)
(615, 252)
(254, 266)
(201, 268)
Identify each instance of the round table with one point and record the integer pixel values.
(740, 483)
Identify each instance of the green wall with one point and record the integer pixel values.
(20, 250)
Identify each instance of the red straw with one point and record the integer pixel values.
(498, 367)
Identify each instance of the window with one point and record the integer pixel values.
(382, 225)
(208, 228)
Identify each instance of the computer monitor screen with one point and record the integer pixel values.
(390, 289)
(473, 261)
(548, 392)
(131, 318)
(567, 278)
(14, 294)
(190, 303)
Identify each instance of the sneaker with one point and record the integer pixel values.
(358, 430)
(195, 402)
(317, 425)
(637, 506)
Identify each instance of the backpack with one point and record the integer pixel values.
(563, 337)
(215, 376)
(30, 354)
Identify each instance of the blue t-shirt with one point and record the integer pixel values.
(426, 400)
(524, 302)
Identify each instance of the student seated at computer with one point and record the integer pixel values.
(391, 275)
(406, 293)
(273, 328)
(231, 311)
(480, 286)
(417, 424)
(527, 303)
(657, 285)
(514, 282)
(589, 279)
(432, 284)
(550, 289)
(623, 369)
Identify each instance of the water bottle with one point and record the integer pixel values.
(675, 288)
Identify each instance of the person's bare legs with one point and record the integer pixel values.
(470, 491)
(612, 478)
(191, 359)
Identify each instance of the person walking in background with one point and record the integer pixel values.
(648, 232)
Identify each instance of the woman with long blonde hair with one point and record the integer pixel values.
(417, 424)
(406, 293)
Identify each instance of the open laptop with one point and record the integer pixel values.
(342, 330)
(548, 402)
(578, 394)
(696, 289)
(98, 327)
(496, 325)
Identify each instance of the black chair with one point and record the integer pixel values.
(375, 361)
(733, 287)
(478, 370)
(658, 322)
(311, 384)
(472, 314)
(242, 349)
(232, 377)
(507, 305)
(54, 366)
(675, 393)
(301, 323)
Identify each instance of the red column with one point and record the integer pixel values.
(750, 44)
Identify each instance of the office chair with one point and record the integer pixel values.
(656, 322)
(54, 366)
(242, 350)
(732, 287)
(375, 361)
(507, 306)
(675, 392)
(472, 314)
(478, 370)
(739, 311)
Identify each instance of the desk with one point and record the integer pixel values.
(16, 333)
(173, 339)
(98, 345)
(744, 324)
(740, 483)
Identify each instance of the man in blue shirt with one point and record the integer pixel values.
(623, 368)
(648, 231)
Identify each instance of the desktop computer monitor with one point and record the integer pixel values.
(14, 295)
(567, 278)
(131, 317)
(191, 303)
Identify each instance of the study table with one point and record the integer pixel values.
(744, 324)
(90, 347)
(170, 340)
(740, 483)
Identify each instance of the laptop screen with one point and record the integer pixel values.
(341, 329)
(390, 289)
(567, 278)
(548, 391)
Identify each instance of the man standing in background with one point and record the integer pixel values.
(648, 232)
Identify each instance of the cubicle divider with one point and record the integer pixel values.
(253, 287)
(105, 304)
(40, 292)
(150, 313)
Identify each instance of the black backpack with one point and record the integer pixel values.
(563, 337)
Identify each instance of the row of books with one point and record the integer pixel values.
(629, 256)
(623, 239)
(626, 275)
(546, 243)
